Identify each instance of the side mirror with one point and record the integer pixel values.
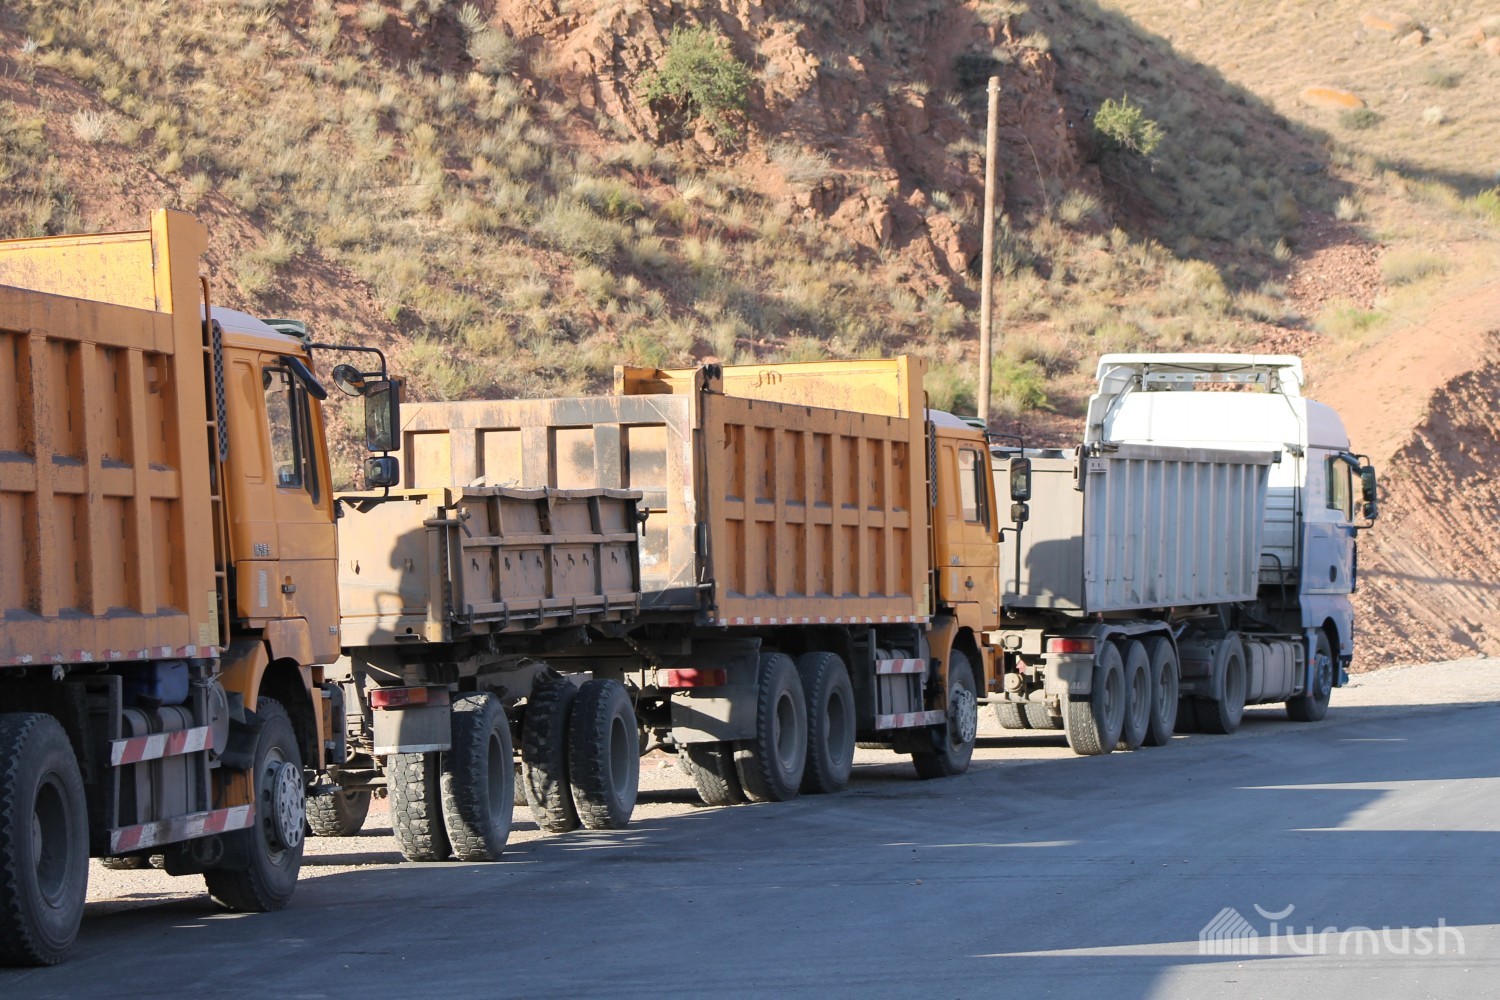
(382, 415)
(382, 472)
(1369, 492)
(1020, 513)
(1020, 479)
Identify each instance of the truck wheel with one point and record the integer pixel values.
(1222, 715)
(1137, 697)
(953, 742)
(1011, 715)
(604, 755)
(261, 863)
(1038, 717)
(417, 806)
(772, 762)
(1164, 691)
(479, 781)
(711, 766)
(44, 841)
(1093, 724)
(830, 722)
(338, 814)
(1312, 705)
(544, 756)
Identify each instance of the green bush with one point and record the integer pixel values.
(1124, 126)
(1359, 119)
(699, 79)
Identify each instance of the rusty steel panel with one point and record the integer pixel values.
(105, 513)
(440, 565)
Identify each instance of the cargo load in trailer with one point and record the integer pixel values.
(168, 605)
(817, 566)
(1194, 555)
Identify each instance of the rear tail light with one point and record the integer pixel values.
(1070, 644)
(713, 677)
(405, 697)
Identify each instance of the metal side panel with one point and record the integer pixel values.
(611, 442)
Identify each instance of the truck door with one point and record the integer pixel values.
(286, 564)
(1329, 562)
(968, 559)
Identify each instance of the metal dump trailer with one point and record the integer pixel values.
(451, 599)
(1152, 576)
(790, 603)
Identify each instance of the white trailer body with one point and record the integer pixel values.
(1204, 540)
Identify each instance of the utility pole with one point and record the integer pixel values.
(987, 280)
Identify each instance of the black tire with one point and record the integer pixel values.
(479, 779)
(830, 723)
(1222, 715)
(953, 742)
(44, 841)
(1094, 723)
(338, 814)
(262, 863)
(1187, 715)
(1312, 705)
(604, 755)
(1011, 715)
(1165, 691)
(544, 756)
(1038, 717)
(417, 805)
(711, 766)
(771, 763)
(1137, 697)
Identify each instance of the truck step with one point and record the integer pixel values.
(125, 839)
(157, 745)
(910, 720)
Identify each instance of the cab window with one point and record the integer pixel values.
(971, 471)
(288, 423)
(1340, 488)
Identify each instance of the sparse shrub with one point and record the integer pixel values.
(1402, 267)
(1433, 115)
(699, 79)
(798, 165)
(1348, 209)
(1017, 386)
(1442, 77)
(950, 388)
(1359, 119)
(1076, 207)
(1345, 321)
(91, 126)
(1124, 126)
(575, 229)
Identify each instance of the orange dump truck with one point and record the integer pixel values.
(167, 528)
(818, 564)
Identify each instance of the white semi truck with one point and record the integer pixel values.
(1194, 555)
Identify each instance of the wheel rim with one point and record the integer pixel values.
(283, 804)
(963, 715)
(620, 747)
(1324, 680)
(1140, 696)
(51, 841)
(786, 730)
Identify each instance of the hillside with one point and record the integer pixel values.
(511, 199)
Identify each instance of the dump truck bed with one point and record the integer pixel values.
(764, 509)
(106, 525)
(1150, 527)
(442, 565)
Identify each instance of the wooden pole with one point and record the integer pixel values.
(987, 280)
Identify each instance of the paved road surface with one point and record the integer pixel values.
(1037, 874)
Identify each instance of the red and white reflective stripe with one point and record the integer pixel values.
(909, 720)
(100, 656)
(189, 827)
(824, 620)
(139, 748)
(900, 667)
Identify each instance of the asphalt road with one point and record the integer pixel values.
(1037, 874)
